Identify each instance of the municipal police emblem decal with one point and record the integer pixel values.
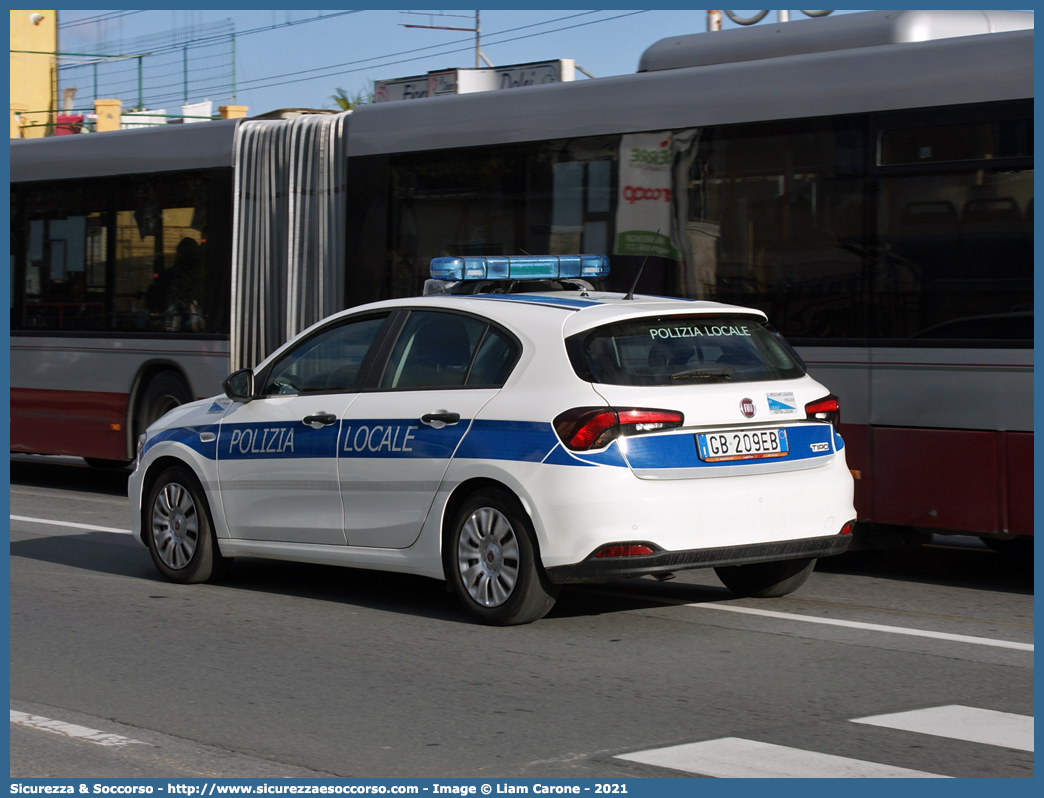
(781, 403)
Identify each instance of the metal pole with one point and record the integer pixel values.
(783, 16)
(478, 42)
(184, 71)
(141, 99)
(713, 21)
(95, 70)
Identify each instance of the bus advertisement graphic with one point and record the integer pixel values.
(643, 216)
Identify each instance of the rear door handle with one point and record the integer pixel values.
(319, 420)
(440, 419)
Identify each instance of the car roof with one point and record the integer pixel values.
(600, 307)
(588, 309)
(569, 311)
(591, 309)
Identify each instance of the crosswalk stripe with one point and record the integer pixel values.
(733, 757)
(873, 627)
(971, 724)
(71, 730)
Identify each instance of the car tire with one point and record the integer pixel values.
(492, 561)
(766, 579)
(178, 530)
(164, 392)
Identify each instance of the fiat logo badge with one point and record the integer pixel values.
(747, 408)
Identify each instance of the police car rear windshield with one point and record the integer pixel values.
(682, 350)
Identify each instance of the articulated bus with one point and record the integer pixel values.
(866, 180)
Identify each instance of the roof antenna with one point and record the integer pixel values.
(637, 277)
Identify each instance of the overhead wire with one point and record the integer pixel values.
(417, 49)
(260, 83)
(245, 87)
(250, 31)
(238, 34)
(106, 17)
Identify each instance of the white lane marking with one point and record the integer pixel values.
(873, 627)
(71, 730)
(90, 527)
(971, 724)
(733, 757)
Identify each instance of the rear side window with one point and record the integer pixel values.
(681, 350)
(496, 355)
(448, 350)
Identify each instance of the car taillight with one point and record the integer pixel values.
(826, 409)
(585, 428)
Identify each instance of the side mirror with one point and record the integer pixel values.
(239, 385)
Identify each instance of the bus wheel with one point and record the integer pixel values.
(1012, 547)
(766, 579)
(164, 392)
(178, 530)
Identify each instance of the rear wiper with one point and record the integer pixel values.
(723, 373)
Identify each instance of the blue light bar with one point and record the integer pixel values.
(519, 267)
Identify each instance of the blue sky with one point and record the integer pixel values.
(297, 59)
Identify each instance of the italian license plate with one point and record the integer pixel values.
(716, 447)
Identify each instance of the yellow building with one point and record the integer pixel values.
(34, 72)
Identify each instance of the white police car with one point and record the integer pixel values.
(509, 443)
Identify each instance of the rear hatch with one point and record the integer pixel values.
(734, 391)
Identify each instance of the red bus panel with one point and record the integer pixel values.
(1020, 482)
(82, 423)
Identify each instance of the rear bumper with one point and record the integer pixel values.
(602, 569)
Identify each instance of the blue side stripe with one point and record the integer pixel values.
(276, 441)
(559, 456)
(521, 441)
(404, 438)
(525, 441)
(610, 456)
(351, 438)
(189, 436)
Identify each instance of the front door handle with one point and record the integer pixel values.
(440, 419)
(319, 420)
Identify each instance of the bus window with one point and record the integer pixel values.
(775, 220)
(551, 197)
(65, 256)
(1011, 138)
(955, 258)
(161, 256)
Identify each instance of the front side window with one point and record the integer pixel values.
(329, 362)
(445, 350)
(682, 350)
